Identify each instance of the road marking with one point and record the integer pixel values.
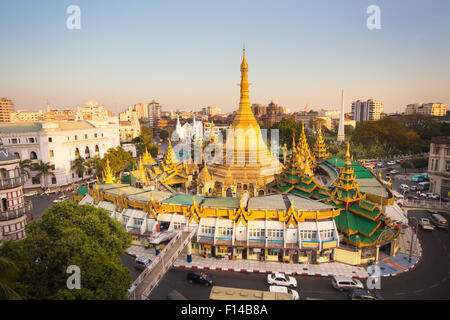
(420, 290)
(434, 286)
(399, 293)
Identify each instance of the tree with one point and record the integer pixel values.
(8, 271)
(420, 163)
(44, 169)
(95, 164)
(79, 166)
(26, 166)
(71, 234)
(406, 165)
(119, 159)
(163, 134)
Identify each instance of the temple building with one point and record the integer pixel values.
(247, 164)
(320, 150)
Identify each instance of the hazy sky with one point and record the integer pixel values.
(187, 54)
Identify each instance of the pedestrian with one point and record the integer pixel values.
(31, 216)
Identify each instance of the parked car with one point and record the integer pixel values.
(425, 224)
(423, 195)
(412, 198)
(199, 277)
(414, 188)
(381, 165)
(390, 163)
(49, 191)
(359, 294)
(61, 198)
(342, 283)
(141, 263)
(394, 171)
(404, 187)
(432, 196)
(282, 289)
(31, 194)
(439, 221)
(281, 279)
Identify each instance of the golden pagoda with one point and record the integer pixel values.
(246, 159)
(148, 159)
(320, 150)
(304, 153)
(108, 174)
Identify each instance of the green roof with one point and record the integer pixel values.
(82, 191)
(183, 199)
(16, 127)
(221, 202)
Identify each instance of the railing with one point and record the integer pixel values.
(13, 182)
(167, 264)
(15, 213)
(433, 204)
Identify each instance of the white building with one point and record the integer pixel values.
(430, 109)
(367, 110)
(439, 166)
(59, 143)
(189, 131)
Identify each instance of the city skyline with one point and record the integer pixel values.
(156, 52)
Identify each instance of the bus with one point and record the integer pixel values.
(420, 177)
(226, 293)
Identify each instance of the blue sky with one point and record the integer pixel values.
(186, 54)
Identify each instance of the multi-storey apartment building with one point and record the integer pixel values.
(367, 110)
(6, 108)
(59, 143)
(439, 166)
(430, 109)
(129, 125)
(13, 207)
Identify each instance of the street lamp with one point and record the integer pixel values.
(412, 220)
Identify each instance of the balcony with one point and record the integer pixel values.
(15, 213)
(6, 183)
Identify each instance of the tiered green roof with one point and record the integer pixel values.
(361, 221)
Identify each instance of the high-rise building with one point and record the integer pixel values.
(439, 166)
(6, 108)
(211, 111)
(154, 113)
(430, 109)
(341, 130)
(367, 110)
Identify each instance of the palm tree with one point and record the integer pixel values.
(25, 164)
(79, 166)
(44, 169)
(7, 269)
(94, 164)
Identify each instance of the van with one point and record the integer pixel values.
(141, 263)
(439, 221)
(342, 283)
(280, 289)
(425, 185)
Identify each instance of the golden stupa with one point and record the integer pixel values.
(247, 163)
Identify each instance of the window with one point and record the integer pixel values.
(33, 155)
(14, 141)
(138, 221)
(223, 231)
(50, 139)
(68, 138)
(31, 140)
(53, 180)
(125, 219)
(95, 135)
(85, 136)
(208, 230)
(35, 180)
(51, 154)
(76, 137)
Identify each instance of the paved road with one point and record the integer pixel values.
(430, 279)
(41, 204)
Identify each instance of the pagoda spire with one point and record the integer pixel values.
(244, 116)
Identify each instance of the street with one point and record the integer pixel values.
(430, 279)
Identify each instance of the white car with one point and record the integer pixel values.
(61, 198)
(342, 283)
(48, 191)
(30, 194)
(281, 289)
(432, 196)
(426, 224)
(281, 279)
(394, 172)
(423, 195)
(391, 163)
(404, 187)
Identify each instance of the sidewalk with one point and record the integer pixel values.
(389, 266)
